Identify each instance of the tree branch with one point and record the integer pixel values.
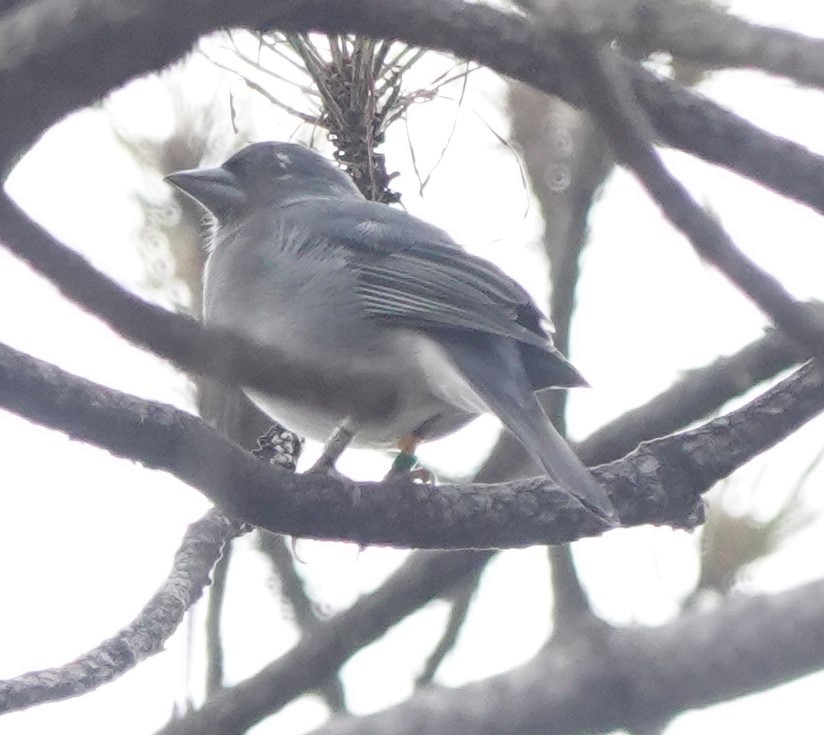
(214, 641)
(625, 125)
(200, 549)
(461, 600)
(50, 53)
(293, 594)
(658, 483)
(641, 674)
(426, 576)
(308, 506)
(699, 32)
(698, 394)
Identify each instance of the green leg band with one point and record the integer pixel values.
(403, 463)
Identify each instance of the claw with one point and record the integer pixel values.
(424, 475)
(293, 545)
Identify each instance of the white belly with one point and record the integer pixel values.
(381, 399)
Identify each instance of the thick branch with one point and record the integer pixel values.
(308, 506)
(200, 549)
(51, 52)
(627, 677)
(659, 483)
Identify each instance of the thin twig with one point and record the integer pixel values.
(303, 611)
(265, 93)
(451, 134)
(214, 640)
(275, 44)
(264, 69)
(461, 603)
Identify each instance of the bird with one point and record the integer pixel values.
(388, 332)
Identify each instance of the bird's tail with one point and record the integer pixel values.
(562, 465)
(523, 416)
(500, 380)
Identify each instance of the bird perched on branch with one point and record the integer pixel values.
(388, 332)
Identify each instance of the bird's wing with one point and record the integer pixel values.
(409, 273)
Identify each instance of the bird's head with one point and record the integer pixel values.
(263, 175)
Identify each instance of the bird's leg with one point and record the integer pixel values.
(340, 439)
(406, 460)
(404, 464)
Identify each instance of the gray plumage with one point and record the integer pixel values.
(402, 332)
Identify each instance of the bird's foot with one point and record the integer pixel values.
(404, 467)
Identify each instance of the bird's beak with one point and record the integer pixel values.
(215, 189)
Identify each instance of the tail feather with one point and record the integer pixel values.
(494, 368)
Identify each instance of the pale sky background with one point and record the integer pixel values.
(87, 538)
